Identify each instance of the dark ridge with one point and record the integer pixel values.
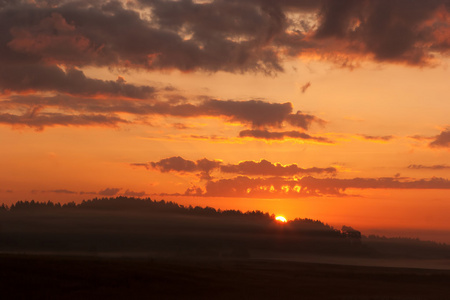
(133, 225)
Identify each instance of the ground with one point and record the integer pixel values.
(89, 277)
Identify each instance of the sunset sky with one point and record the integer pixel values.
(330, 110)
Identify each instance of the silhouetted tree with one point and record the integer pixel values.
(353, 235)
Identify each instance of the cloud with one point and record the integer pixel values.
(392, 31)
(40, 77)
(442, 140)
(270, 135)
(213, 138)
(108, 34)
(129, 193)
(278, 187)
(433, 167)
(109, 191)
(420, 137)
(264, 179)
(246, 187)
(178, 164)
(305, 87)
(378, 183)
(41, 120)
(175, 163)
(205, 167)
(255, 113)
(266, 168)
(57, 191)
(63, 191)
(181, 126)
(384, 138)
(232, 36)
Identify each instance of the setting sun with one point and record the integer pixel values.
(281, 219)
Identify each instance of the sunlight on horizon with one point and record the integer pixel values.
(281, 219)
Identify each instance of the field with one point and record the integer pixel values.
(82, 277)
(133, 249)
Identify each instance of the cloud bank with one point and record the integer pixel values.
(442, 140)
(263, 179)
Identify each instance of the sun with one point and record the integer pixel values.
(281, 219)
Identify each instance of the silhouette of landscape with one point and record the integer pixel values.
(332, 111)
(115, 246)
(143, 226)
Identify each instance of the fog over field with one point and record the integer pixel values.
(146, 228)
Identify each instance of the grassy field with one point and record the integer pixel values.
(83, 277)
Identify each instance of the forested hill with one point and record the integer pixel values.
(130, 204)
(133, 225)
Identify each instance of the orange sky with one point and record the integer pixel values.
(322, 110)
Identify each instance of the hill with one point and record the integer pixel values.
(159, 228)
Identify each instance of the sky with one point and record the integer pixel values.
(330, 110)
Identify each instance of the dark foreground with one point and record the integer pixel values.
(64, 277)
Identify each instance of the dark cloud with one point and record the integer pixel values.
(175, 163)
(277, 187)
(37, 77)
(336, 17)
(377, 137)
(129, 193)
(377, 183)
(420, 137)
(184, 36)
(266, 168)
(62, 192)
(442, 140)
(44, 45)
(233, 36)
(388, 30)
(259, 113)
(270, 135)
(255, 113)
(305, 87)
(109, 192)
(57, 191)
(302, 120)
(205, 167)
(179, 164)
(38, 120)
(433, 167)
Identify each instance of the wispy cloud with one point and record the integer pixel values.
(280, 135)
(433, 167)
(43, 120)
(109, 192)
(130, 193)
(383, 138)
(305, 87)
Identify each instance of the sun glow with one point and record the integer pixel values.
(281, 219)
